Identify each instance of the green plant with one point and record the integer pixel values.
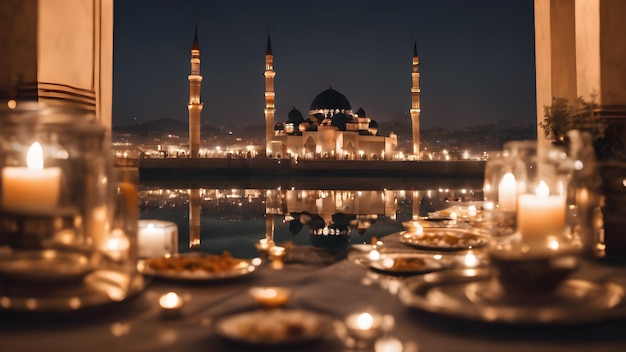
(608, 136)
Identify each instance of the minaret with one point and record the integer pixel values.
(194, 106)
(415, 103)
(269, 97)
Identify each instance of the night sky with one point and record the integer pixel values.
(476, 58)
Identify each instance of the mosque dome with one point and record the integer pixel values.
(340, 120)
(360, 112)
(295, 116)
(330, 99)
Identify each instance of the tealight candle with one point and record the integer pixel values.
(277, 254)
(540, 214)
(31, 189)
(171, 304)
(271, 296)
(364, 326)
(265, 244)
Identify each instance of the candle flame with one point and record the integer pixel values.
(170, 300)
(34, 158)
(364, 321)
(470, 260)
(374, 255)
(542, 190)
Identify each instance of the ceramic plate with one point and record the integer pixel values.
(442, 239)
(406, 264)
(194, 267)
(273, 327)
(471, 294)
(45, 266)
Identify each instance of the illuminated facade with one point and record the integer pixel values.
(269, 97)
(415, 103)
(195, 105)
(330, 131)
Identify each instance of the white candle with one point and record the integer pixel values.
(540, 214)
(156, 238)
(507, 192)
(32, 189)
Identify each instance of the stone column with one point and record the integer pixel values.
(57, 52)
(555, 54)
(581, 52)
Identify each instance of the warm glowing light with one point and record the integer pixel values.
(11, 104)
(374, 255)
(578, 165)
(170, 300)
(364, 321)
(34, 158)
(277, 251)
(270, 296)
(553, 243)
(542, 190)
(470, 260)
(471, 211)
(507, 192)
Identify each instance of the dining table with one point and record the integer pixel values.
(332, 284)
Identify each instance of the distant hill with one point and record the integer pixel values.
(482, 137)
(163, 125)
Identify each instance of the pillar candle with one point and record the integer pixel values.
(31, 189)
(156, 238)
(507, 192)
(540, 214)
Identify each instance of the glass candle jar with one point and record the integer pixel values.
(56, 192)
(541, 252)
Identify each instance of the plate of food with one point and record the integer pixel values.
(196, 267)
(273, 327)
(406, 264)
(444, 239)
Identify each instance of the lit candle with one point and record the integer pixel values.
(271, 296)
(470, 260)
(364, 326)
(507, 192)
(32, 189)
(540, 214)
(117, 245)
(171, 304)
(156, 238)
(264, 245)
(277, 254)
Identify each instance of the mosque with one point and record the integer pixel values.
(331, 130)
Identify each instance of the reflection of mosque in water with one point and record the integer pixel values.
(330, 215)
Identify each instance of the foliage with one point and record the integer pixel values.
(608, 137)
(561, 117)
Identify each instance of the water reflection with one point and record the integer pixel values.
(213, 220)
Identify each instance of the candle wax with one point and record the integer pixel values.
(540, 215)
(507, 192)
(30, 191)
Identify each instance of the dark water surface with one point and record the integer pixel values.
(234, 214)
